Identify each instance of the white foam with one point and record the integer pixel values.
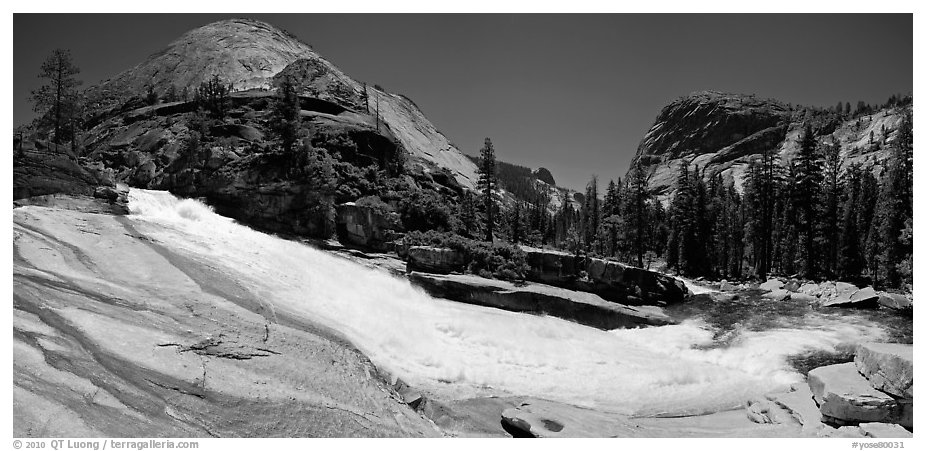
(439, 344)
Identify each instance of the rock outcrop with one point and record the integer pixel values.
(551, 267)
(888, 367)
(627, 284)
(115, 335)
(249, 54)
(366, 227)
(582, 308)
(722, 132)
(434, 259)
(613, 281)
(41, 167)
(845, 396)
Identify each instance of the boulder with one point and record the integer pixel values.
(144, 174)
(799, 403)
(765, 411)
(549, 266)
(845, 297)
(622, 283)
(727, 286)
(583, 308)
(613, 281)
(778, 295)
(792, 285)
(888, 367)
(884, 430)
(434, 259)
(771, 285)
(845, 397)
(106, 192)
(365, 226)
(895, 301)
(811, 289)
(845, 287)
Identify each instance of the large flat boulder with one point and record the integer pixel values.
(577, 306)
(627, 284)
(845, 397)
(437, 260)
(612, 280)
(888, 367)
(847, 297)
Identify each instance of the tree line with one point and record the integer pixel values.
(813, 217)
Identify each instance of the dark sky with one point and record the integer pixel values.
(573, 93)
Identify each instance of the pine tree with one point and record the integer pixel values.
(610, 207)
(850, 261)
(213, 96)
(56, 100)
(468, 218)
(486, 185)
(759, 202)
(679, 245)
(591, 214)
(894, 208)
(636, 213)
(807, 173)
(284, 115)
(831, 190)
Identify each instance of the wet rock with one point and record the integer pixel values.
(845, 397)
(888, 367)
(771, 285)
(434, 259)
(580, 307)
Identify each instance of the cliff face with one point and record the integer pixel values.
(722, 133)
(251, 55)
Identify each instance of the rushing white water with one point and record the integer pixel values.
(695, 288)
(463, 349)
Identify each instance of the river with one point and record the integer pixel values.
(720, 355)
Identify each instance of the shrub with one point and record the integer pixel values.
(376, 204)
(490, 260)
(426, 210)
